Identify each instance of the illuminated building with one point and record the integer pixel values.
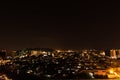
(100, 72)
(37, 52)
(84, 53)
(34, 52)
(102, 53)
(113, 54)
(114, 73)
(118, 55)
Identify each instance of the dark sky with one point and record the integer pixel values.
(69, 25)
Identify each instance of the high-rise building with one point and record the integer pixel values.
(118, 53)
(113, 54)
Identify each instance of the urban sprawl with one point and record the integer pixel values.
(45, 63)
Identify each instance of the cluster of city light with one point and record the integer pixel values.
(113, 73)
(96, 63)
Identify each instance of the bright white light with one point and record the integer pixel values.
(91, 74)
(29, 71)
(111, 71)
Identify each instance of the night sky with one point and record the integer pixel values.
(66, 25)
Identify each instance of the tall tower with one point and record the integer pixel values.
(118, 55)
(113, 54)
